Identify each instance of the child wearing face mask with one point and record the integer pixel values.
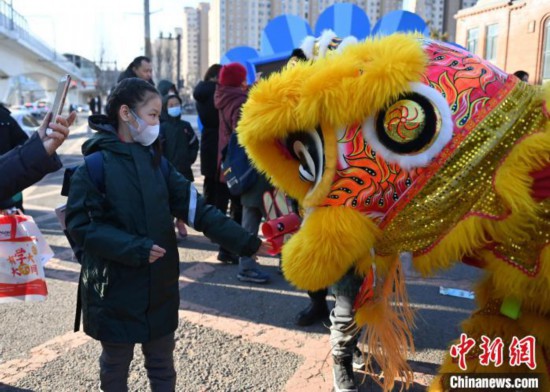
(180, 145)
(130, 263)
(179, 142)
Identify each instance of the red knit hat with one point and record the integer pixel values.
(233, 74)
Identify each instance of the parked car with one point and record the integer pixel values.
(31, 107)
(15, 108)
(26, 121)
(38, 109)
(42, 107)
(83, 109)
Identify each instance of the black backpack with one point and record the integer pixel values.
(236, 167)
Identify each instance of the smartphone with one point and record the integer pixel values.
(59, 101)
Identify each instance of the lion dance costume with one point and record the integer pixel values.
(403, 144)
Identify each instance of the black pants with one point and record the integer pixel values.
(222, 202)
(319, 297)
(115, 359)
(209, 190)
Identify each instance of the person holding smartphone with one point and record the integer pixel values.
(29, 163)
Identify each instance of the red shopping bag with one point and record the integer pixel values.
(23, 253)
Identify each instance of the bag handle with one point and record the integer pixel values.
(281, 202)
(12, 219)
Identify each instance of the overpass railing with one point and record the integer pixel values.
(17, 25)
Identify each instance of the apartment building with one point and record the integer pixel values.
(204, 10)
(191, 46)
(514, 35)
(192, 40)
(214, 28)
(236, 23)
(439, 14)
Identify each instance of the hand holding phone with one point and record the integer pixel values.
(59, 101)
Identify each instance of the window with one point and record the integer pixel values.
(491, 42)
(473, 37)
(546, 52)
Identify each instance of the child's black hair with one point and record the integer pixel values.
(132, 92)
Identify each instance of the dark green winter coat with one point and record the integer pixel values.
(126, 299)
(179, 142)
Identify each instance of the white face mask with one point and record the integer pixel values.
(145, 134)
(174, 111)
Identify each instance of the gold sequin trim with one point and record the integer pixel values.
(464, 184)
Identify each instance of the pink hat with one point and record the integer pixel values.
(233, 74)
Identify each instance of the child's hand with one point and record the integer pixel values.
(266, 249)
(156, 253)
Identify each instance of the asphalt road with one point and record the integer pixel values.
(233, 336)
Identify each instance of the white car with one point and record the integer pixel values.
(26, 121)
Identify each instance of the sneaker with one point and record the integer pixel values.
(342, 371)
(227, 257)
(253, 275)
(314, 313)
(358, 359)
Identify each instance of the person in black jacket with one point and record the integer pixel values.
(180, 145)
(140, 67)
(130, 263)
(209, 117)
(11, 136)
(24, 165)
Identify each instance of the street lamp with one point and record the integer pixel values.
(147, 25)
(179, 81)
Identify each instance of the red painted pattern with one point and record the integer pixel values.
(365, 181)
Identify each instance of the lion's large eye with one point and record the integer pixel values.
(413, 129)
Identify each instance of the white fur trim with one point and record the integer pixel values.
(346, 42)
(324, 41)
(425, 157)
(307, 46)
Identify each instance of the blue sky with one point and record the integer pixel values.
(85, 27)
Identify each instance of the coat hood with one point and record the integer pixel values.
(105, 138)
(164, 112)
(164, 86)
(204, 91)
(208, 114)
(227, 96)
